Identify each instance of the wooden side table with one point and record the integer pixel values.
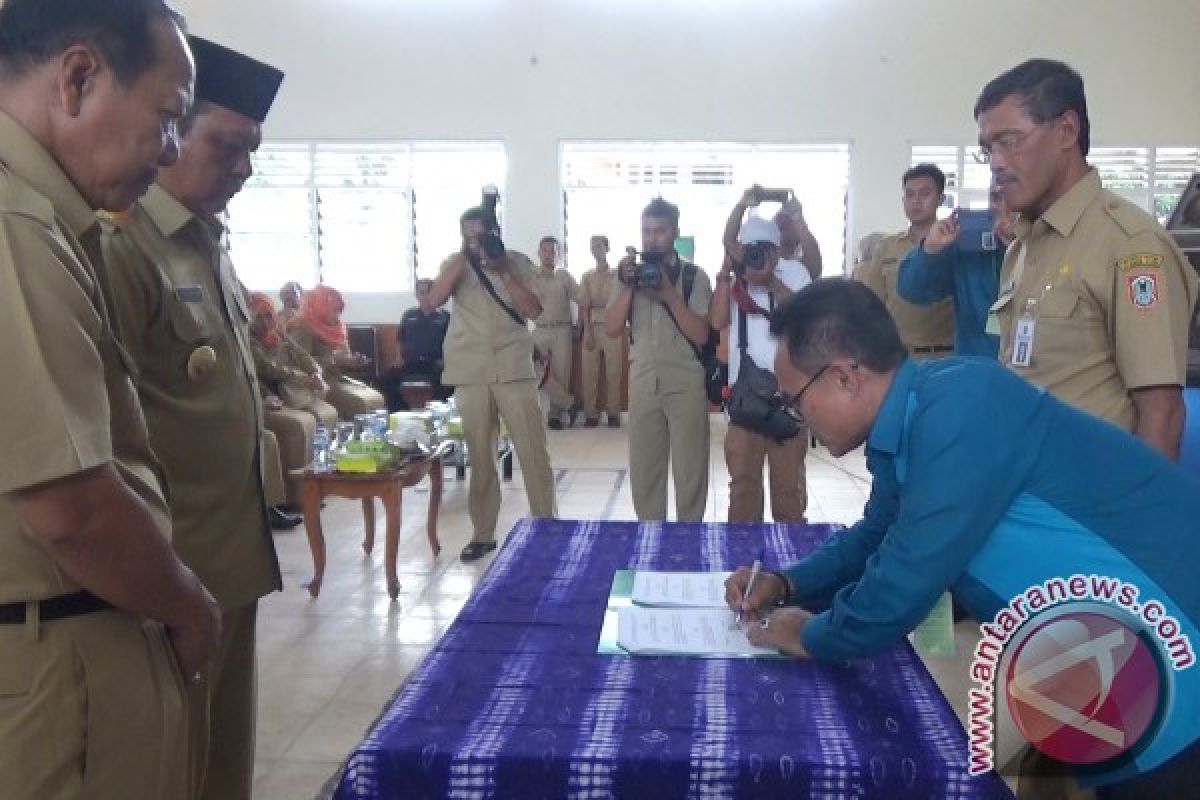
(389, 487)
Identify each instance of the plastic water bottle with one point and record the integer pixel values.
(321, 450)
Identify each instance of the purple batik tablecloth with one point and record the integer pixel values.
(515, 702)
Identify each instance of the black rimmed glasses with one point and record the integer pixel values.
(791, 403)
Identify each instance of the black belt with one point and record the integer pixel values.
(61, 607)
(935, 348)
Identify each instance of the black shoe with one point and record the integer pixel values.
(591, 422)
(614, 421)
(281, 520)
(573, 413)
(476, 550)
(554, 424)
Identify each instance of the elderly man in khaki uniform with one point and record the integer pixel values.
(489, 359)
(553, 329)
(598, 288)
(101, 625)
(927, 331)
(1095, 297)
(668, 407)
(183, 315)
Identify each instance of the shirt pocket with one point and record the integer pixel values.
(189, 322)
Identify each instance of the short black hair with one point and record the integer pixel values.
(601, 237)
(121, 31)
(551, 239)
(837, 318)
(1047, 88)
(476, 212)
(931, 171)
(661, 209)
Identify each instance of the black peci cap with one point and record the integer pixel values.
(234, 81)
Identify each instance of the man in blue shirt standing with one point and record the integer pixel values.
(984, 485)
(941, 266)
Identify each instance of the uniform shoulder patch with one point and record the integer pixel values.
(1140, 261)
(1143, 290)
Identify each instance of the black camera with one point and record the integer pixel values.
(754, 257)
(489, 241)
(647, 271)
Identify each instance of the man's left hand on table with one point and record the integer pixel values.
(781, 630)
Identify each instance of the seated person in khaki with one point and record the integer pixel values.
(284, 369)
(319, 330)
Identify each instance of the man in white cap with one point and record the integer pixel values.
(753, 281)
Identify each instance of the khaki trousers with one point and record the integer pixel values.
(608, 350)
(745, 452)
(557, 344)
(274, 490)
(482, 407)
(91, 707)
(668, 425)
(350, 399)
(294, 431)
(221, 712)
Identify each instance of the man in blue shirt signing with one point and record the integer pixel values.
(943, 266)
(983, 485)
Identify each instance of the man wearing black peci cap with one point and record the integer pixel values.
(182, 314)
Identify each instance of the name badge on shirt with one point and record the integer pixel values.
(189, 294)
(1022, 352)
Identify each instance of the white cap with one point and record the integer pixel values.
(757, 229)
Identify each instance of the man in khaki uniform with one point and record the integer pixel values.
(668, 407)
(598, 288)
(927, 331)
(553, 329)
(101, 625)
(489, 359)
(1095, 298)
(183, 315)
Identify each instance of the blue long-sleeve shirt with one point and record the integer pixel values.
(986, 485)
(971, 279)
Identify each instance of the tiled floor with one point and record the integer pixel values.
(328, 666)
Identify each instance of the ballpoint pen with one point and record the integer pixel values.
(755, 570)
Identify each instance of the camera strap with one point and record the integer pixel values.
(688, 271)
(486, 282)
(742, 324)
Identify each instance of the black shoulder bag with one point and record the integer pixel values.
(754, 401)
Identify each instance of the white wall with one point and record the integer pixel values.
(878, 73)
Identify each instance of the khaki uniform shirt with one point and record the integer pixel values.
(598, 289)
(921, 327)
(1112, 297)
(484, 344)
(183, 316)
(285, 370)
(70, 405)
(555, 291)
(660, 352)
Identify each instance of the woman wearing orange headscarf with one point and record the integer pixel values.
(319, 329)
(288, 376)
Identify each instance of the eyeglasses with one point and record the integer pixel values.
(791, 403)
(1007, 143)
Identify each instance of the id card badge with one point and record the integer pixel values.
(1022, 351)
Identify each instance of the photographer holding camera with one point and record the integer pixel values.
(664, 300)
(752, 283)
(489, 360)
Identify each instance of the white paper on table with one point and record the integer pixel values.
(685, 632)
(679, 589)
